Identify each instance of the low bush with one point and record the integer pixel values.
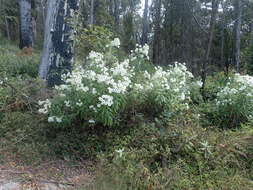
(234, 102)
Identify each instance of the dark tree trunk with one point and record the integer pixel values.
(116, 14)
(157, 33)
(26, 28)
(223, 36)
(91, 12)
(210, 43)
(144, 38)
(238, 33)
(111, 7)
(58, 52)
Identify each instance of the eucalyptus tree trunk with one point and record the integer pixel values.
(144, 38)
(26, 28)
(91, 12)
(157, 33)
(215, 5)
(116, 14)
(238, 24)
(58, 51)
(110, 7)
(7, 28)
(223, 27)
(43, 7)
(212, 29)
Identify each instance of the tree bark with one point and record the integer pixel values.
(58, 51)
(144, 38)
(26, 28)
(7, 29)
(210, 43)
(116, 14)
(157, 33)
(238, 34)
(223, 36)
(92, 12)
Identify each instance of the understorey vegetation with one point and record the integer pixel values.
(143, 126)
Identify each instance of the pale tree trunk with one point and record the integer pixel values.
(26, 28)
(43, 7)
(7, 29)
(58, 51)
(238, 24)
(144, 38)
(34, 28)
(223, 35)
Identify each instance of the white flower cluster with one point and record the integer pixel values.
(105, 100)
(140, 51)
(173, 82)
(46, 105)
(52, 119)
(239, 86)
(115, 43)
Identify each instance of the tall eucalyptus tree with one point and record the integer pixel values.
(238, 23)
(58, 50)
(144, 38)
(26, 26)
(157, 32)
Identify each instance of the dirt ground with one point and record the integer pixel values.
(49, 175)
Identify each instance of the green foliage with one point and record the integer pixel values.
(234, 103)
(8, 12)
(231, 103)
(92, 38)
(214, 83)
(157, 144)
(128, 37)
(179, 155)
(14, 64)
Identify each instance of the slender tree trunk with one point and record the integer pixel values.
(91, 12)
(223, 36)
(116, 14)
(26, 29)
(7, 29)
(210, 43)
(238, 34)
(157, 33)
(58, 51)
(43, 7)
(111, 7)
(144, 38)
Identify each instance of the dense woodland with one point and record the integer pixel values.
(207, 35)
(146, 94)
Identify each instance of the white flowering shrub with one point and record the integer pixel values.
(164, 90)
(105, 89)
(234, 102)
